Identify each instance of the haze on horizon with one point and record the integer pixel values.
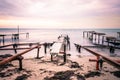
(60, 13)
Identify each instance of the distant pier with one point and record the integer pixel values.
(14, 37)
(96, 37)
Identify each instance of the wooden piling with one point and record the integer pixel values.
(102, 40)
(64, 53)
(118, 34)
(98, 39)
(97, 63)
(38, 50)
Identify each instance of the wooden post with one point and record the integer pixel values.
(64, 53)
(87, 34)
(51, 57)
(3, 40)
(95, 38)
(20, 64)
(102, 40)
(98, 39)
(18, 33)
(27, 35)
(38, 50)
(83, 34)
(92, 36)
(97, 63)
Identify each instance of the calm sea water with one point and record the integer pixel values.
(50, 35)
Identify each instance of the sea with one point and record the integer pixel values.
(50, 35)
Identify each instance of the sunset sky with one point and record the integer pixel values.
(60, 13)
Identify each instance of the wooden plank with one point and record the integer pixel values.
(15, 56)
(117, 65)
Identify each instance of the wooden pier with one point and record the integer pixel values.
(118, 34)
(14, 37)
(92, 35)
(59, 48)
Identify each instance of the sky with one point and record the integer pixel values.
(60, 13)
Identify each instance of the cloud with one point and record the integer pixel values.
(59, 8)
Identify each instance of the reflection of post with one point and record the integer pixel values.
(15, 47)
